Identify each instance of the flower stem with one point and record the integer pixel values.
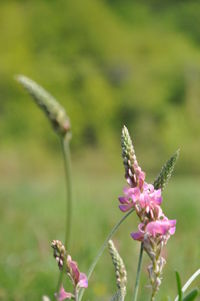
(76, 295)
(102, 248)
(138, 274)
(67, 168)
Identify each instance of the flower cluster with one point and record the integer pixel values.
(64, 260)
(155, 228)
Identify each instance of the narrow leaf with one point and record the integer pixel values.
(178, 281)
(191, 295)
(50, 106)
(166, 172)
(189, 282)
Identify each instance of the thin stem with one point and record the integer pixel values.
(76, 294)
(67, 167)
(68, 182)
(138, 273)
(102, 248)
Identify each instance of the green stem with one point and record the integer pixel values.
(138, 273)
(93, 265)
(67, 168)
(76, 294)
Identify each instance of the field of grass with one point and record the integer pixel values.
(33, 213)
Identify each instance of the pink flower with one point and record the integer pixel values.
(63, 295)
(129, 198)
(146, 199)
(161, 227)
(140, 234)
(140, 176)
(79, 279)
(150, 201)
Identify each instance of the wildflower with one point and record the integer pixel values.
(161, 227)
(64, 260)
(129, 198)
(154, 228)
(79, 279)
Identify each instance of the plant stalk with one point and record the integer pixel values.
(138, 273)
(68, 182)
(102, 248)
(67, 167)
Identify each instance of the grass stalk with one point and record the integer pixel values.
(137, 281)
(67, 167)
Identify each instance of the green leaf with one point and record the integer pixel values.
(49, 105)
(178, 281)
(189, 282)
(166, 172)
(191, 295)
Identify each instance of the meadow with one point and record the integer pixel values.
(32, 198)
(109, 63)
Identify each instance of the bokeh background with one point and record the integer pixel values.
(109, 63)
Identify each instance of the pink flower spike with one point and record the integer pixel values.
(63, 295)
(83, 281)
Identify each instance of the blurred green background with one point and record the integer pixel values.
(109, 63)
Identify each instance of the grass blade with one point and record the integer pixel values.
(191, 296)
(178, 281)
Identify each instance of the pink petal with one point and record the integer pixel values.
(137, 235)
(74, 269)
(63, 295)
(161, 227)
(126, 207)
(123, 199)
(83, 281)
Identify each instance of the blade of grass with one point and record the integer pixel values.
(178, 281)
(188, 283)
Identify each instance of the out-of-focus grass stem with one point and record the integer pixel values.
(67, 167)
(137, 281)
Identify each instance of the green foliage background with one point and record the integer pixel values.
(109, 63)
